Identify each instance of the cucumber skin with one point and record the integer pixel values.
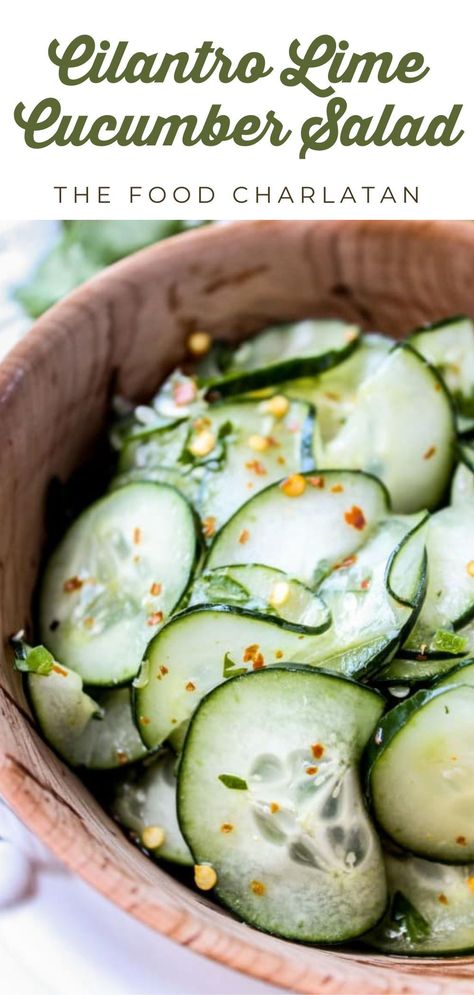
(395, 720)
(290, 369)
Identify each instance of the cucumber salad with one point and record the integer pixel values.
(258, 645)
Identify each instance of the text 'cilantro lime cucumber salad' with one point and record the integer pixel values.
(262, 635)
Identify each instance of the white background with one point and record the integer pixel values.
(440, 31)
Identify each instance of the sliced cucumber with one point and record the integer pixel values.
(201, 648)
(402, 670)
(154, 447)
(96, 733)
(250, 448)
(463, 674)
(462, 485)
(403, 400)
(334, 393)
(145, 802)
(262, 589)
(449, 346)
(369, 619)
(431, 909)
(187, 484)
(421, 774)
(293, 849)
(449, 602)
(285, 352)
(261, 449)
(120, 569)
(329, 517)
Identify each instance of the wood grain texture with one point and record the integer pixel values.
(123, 331)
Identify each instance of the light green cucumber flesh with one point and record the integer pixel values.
(117, 574)
(294, 851)
(145, 798)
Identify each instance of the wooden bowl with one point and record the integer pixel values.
(123, 331)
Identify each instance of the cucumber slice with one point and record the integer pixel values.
(187, 485)
(431, 909)
(328, 519)
(284, 352)
(334, 393)
(201, 648)
(252, 449)
(247, 470)
(96, 733)
(421, 774)
(449, 346)
(121, 567)
(449, 602)
(402, 670)
(462, 486)
(293, 850)
(372, 598)
(154, 448)
(404, 400)
(144, 799)
(463, 674)
(263, 590)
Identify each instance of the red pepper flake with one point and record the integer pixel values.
(461, 840)
(355, 517)
(442, 898)
(272, 441)
(429, 452)
(155, 590)
(274, 807)
(281, 460)
(57, 669)
(190, 686)
(365, 584)
(437, 386)
(257, 887)
(316, 482)
(209, 526)
(226, 827)
(347, 562)
(144, 720)
(121, 757)
(331, 395)
(163, 670)
(337, 489)
(73, 584)
(279, 654)
(317, 750)
(244, 537)
(252, 655)
(422, 654)
(155, 618)
(137, 536)
(311, 770)
(184, 393)
(257, 467)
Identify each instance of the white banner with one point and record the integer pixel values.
(253, 110)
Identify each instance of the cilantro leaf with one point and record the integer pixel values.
(234, 782)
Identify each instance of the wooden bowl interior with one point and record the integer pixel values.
(121, 333)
